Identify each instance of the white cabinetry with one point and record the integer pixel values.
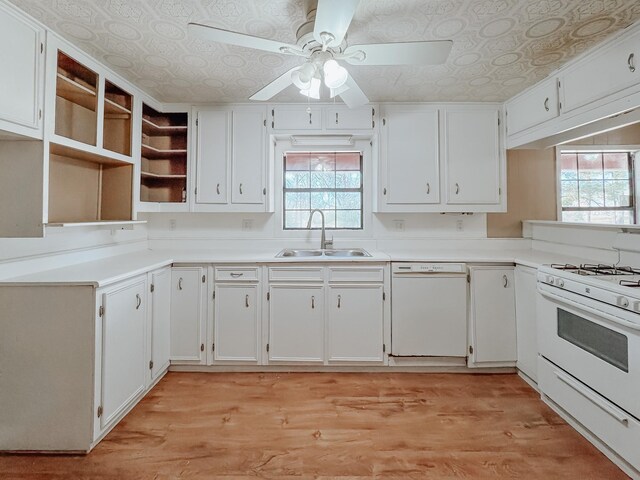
(472, 154)
(339, 117)
(231, 157)
(296, 117)
(21, 57)
(122, 359)
(236, 322)
(188, 313)
(409, 158)
(526, 292)
(160, 321)
(533, 107)
(492, 320)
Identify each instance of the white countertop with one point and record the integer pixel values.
(110, 270)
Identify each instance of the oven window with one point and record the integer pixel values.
(606, 344)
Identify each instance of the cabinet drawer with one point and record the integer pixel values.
(619, 430)
(356, 274)
(285, 274)
(244, 274)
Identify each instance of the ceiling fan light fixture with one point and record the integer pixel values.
(335, 75)
(302, 77)
(314, 89)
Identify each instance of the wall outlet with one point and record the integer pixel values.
(398, 225)
(172, 224)
(247, 225)
(459, 225)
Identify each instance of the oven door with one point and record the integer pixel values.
(596, 343)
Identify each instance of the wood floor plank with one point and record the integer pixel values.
(332, 425)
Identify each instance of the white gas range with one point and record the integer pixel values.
(589, 344)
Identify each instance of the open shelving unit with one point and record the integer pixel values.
(163, 163)
(117, 119)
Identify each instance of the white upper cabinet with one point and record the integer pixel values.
(296, 117)
(212, 153)
(340, 117)
(248, 154)
(533, 107)
(409, 160)
(472, 154)
(21, 74)
(606, 72)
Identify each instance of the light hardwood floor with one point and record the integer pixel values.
(328, 425)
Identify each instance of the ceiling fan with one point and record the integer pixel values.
(321, 41)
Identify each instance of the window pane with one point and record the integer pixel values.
(348, 161)
(568, 166)
(297, 161)
(617, 193)
(296, 180)
(591, 193)
(297, 201)
(589, 166)
(323, 162)
(349, 219)
(323, 180)
(323, 200)
(329, 218)
(296, 219)
(348, 179)
(348, 200)
(570, 194)
(616, 166)
(599, 216)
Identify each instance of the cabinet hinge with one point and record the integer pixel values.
(264, 191)
(468, 278)
(203, 279)
(99, 411)
(268, 296)
(101, 311)
(384, 348)
(40, 114)
(196, 122)
(560, 105)
(195, 192)
(41, 47)
(267, 347)
(202, 347)
(559, 85)
(499, 191)
(213, 347)
(264, 122)
(471, 349)
(384, 122)
(384, 296)
(153, 287)
(498, 121)
(150, 364)
(213, 297)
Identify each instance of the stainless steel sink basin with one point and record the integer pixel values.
(352, 252)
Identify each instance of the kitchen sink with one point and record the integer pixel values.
(351, 252)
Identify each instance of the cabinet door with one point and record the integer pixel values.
(248, 153)
(236, 323)
(472, 156)
(344, 118)
(607, 72)
(534, 107)
(296, 117)
(296, 323)
(123, 362)
(409, 156)
(188, 329)
(21, 73)
(493, 322)
(160, 321)
(526, 291)
(355, 325)
(212, 155)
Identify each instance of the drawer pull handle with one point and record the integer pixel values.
(180, 283)
(246, 301)
(240, 189)
(616, 413)
(546, 104)
(313, 302)
(139, 301)
(632, 67)
(384, 191)
(505, 281)
(218, 189)
(236, 275)
(457, 189)
(339, 299)
(428, 188)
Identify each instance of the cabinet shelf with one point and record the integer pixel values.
(150, 128)
(111, 107)
(96, 224)
(76, 93)
(162, 176)
(158, 153)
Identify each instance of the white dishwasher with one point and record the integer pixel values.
(429, 309)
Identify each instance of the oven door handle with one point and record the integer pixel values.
(591, 310)
(616, 413)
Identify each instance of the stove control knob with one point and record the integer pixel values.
(560, 282)
(623, 302)
(636, 306)
(549, 279)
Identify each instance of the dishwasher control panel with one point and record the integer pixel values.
(429, 267)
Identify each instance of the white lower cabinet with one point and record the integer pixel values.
(492, 329)
(355, 323)
(296, 323)
(122, 359)
(188, 314)
(160, 322)
(236, 319)
(527, 338)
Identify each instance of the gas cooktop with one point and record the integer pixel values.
(622, 275)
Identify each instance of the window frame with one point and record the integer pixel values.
(333, 190)
(634, 150)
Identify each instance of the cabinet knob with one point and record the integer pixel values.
(180, 283)
(505, 281)
(384, 191)
(138, 300)
(240, 189)
(457, 189)
(218, 189)
(630, 63)
(428, 188)
(546, 104)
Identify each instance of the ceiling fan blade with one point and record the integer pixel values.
(333, 17)
(219, 35)
(353, 97)
(275, 87)
(403, 53)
